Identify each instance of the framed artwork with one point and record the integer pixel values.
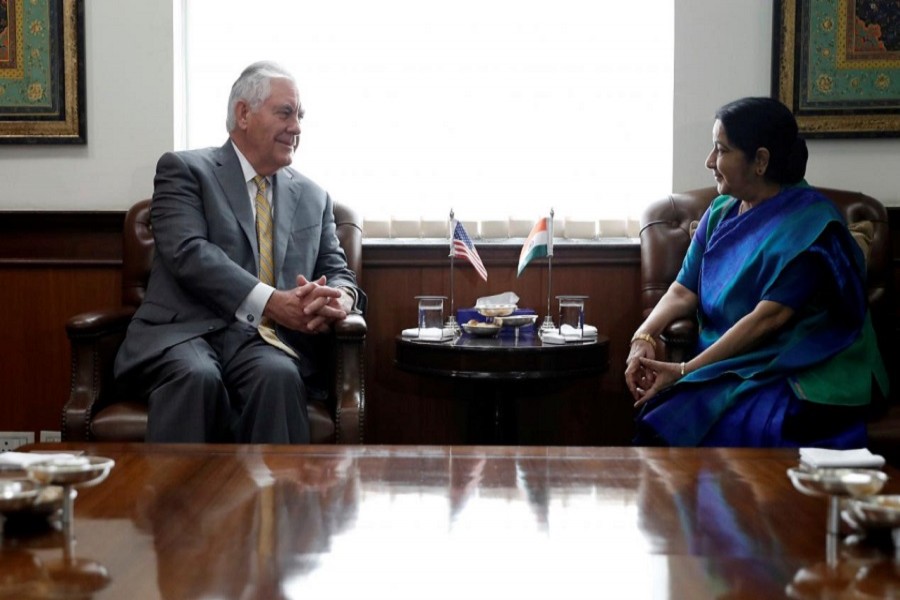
(42, 72)
(836, 65)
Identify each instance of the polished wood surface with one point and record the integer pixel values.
(444, 522)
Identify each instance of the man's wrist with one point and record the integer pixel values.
(353, 297)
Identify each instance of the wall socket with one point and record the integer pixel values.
(50, 436)
(10, 440)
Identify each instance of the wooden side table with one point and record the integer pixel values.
(502, 366)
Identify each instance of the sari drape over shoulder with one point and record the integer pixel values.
(794, 249)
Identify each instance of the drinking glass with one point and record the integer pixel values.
(571, 313)
(431, 312)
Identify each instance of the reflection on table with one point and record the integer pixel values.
(451, 522)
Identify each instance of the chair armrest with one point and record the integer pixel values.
(94, 339)
(349, 384)
(680, 339)
(354, 326)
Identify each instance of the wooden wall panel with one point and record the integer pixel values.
(34, 370)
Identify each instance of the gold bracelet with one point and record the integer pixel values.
(640, 335)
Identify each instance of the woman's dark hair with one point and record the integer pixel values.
(754, 123)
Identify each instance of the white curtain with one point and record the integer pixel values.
(497, 109)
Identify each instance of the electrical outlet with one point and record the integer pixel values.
(10, 440)
(50, 436)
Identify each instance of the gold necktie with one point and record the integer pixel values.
(264, 235)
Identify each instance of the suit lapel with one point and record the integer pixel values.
(231, 178)
(286, 193)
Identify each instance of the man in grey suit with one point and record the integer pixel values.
(195, 348)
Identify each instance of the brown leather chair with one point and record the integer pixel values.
(96, 411)
(666, 228)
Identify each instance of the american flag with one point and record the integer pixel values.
(462, 247)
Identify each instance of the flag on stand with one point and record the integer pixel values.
(539, 243)
(461, 246)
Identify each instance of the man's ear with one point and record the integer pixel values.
(241, 112)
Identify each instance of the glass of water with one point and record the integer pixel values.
(571, 315)
(431, 312)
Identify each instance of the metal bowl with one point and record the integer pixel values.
(515, 320)
(75, 470)
(876, 511)
(17, 494)
(837, 482)
(496, 310)
(481, 329)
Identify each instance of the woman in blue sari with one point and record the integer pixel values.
(786, 354)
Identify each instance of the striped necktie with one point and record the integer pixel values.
(264, 232)
(264, 236)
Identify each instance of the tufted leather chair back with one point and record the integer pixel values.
(666, 234)
(138, 247)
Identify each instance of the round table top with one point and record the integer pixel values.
(503, 357)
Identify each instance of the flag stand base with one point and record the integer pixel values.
(452, 324)
(547, 325)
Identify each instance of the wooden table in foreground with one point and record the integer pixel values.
(442, 522)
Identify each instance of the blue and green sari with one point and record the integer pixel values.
(809, 383)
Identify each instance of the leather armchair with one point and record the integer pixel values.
(666, 229)
(97, 411)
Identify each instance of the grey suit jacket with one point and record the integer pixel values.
(206, 259)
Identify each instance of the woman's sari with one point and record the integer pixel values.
(809, 382)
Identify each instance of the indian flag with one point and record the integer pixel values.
(539, 243)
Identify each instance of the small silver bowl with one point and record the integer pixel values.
(18, 494)
(876, 511)
(496, 310)
(481, 329)
(515, 320)
(856, 483)
(75, 470)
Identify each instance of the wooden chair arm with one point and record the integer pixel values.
(94, 339)
(95, 324)
(350, 406)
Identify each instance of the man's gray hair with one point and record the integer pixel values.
(253, 87)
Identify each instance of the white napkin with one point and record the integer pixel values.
(504, 299)
(430, 334)
(568, 334)
(825, 458)
(24, 459)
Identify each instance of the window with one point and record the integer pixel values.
(497, 109)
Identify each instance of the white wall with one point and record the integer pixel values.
(129, 58)
(722, 52)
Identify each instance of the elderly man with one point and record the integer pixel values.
(247, 272)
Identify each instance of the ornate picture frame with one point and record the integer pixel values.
(836, 65)
(42, 99)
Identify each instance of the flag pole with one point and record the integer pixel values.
(548, 325)
(451, 318)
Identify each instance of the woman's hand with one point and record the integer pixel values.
(637, 378)
(661, 375)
